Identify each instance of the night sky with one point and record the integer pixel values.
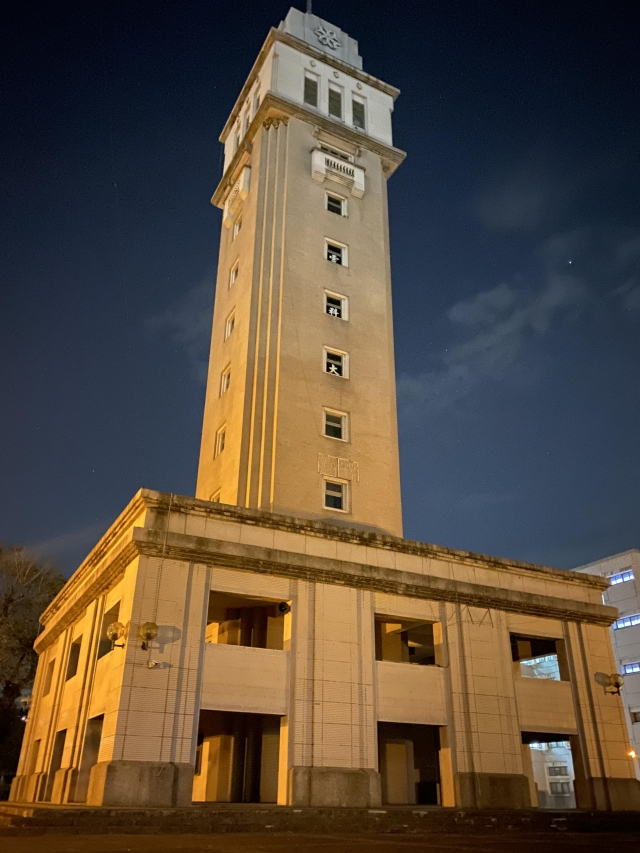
(515, 254)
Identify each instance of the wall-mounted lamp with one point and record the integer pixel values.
(147, 633)
(632, 753)
(615, 684)
(115, 631)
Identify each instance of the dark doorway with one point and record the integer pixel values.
(90, 752)
(237, 757)
(56, 762)
(409, 763)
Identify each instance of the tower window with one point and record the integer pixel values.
(336, 253)
(336, 363)
(233, 275)
(336, 305)
(336, 204)
(335, 101)
(335, 424)
(256, 104)
(335, 495)
(311, 90)
(357, 105)
(220, 441)
(237, 225)
(229, 326)
(225, 380)
(215, 497)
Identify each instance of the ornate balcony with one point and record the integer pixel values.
(324, 165)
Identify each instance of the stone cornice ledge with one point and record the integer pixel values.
(269, 561)
(370, 538)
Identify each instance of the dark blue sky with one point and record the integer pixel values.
(515, 251)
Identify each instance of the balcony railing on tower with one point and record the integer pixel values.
(324, 166)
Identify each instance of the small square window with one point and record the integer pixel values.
(335, 495)
(335, 425)
(225, 380)
(336, 363)
(237, 225)
(220, 441)
(233, 275)
(336, 253)
(230, 325)
(336, 204)
(357, 106)
(311, 90)
(335, 101)
(635, 716)
(336, 305)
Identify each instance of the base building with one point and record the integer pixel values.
(275, 639)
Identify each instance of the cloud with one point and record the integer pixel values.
(497, 325)
(188, 323)
(69, 545)
(521, 200)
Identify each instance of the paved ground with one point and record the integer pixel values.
(520, 843)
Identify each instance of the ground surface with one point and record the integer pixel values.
(290, 843)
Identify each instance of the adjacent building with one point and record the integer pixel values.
(275, 639)
(623, 573)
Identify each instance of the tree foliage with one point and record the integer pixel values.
(27, 585)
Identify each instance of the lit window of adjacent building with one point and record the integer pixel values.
(336, 305)
(311, 89)
(336, 253)
(237, 225)
(336, 424)
(629, 668)
(336, 204)
(627, 621)
(233, 275)
(335, 101)
(357, 106)
(621, 577)
(220, 440)
(336, 363)
(229, 325)
(225, 380)
(335, 495)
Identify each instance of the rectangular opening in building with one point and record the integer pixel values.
(409, 763)
(237, 757)
(74, 657)
(105, 645)
(238, 620)
(403, 641)
(549, 766)
(539, 657)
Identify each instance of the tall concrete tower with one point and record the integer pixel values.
(300, 413)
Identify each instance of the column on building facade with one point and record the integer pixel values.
(483, 731)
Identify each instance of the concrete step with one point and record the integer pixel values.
(29, 819)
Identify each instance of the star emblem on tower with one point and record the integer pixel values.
(327, 37)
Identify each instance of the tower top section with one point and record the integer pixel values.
(312, 69)
(322, 35)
